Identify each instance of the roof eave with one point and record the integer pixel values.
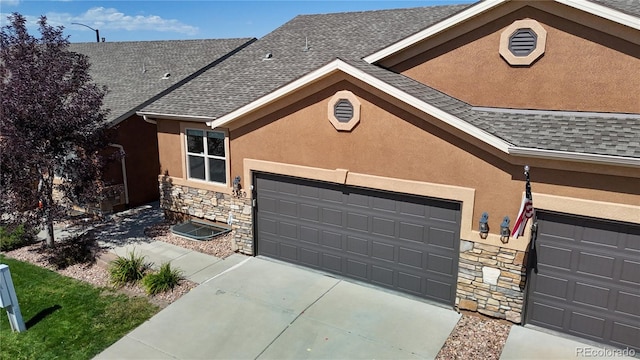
(166, 116)
(574, 156)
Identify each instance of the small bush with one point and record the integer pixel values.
(164, 280)
(79, 249)
(129, 269)
(13, 237)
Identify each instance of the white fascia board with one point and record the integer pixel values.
(576, 157)
(339, 65)
(152, 115)
(434, 29)
(604, 12)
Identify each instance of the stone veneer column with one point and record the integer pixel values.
(491, 280)
(188, 202)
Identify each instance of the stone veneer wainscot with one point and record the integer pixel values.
(500, 296)
(211, 205)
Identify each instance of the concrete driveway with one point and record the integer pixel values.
(268, 310)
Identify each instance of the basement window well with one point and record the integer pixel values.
(199, 230)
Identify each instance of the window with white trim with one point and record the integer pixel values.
(206, 157)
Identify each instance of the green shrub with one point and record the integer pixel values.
(79, 249)
(128, 269)
(164, 280)
(13, 237)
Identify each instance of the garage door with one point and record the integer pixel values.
(588, 282)
(401, 242)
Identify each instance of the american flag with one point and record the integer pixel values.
(526, 209)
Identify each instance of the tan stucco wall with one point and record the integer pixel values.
(170, 148)
(391, 142)
(582, 69)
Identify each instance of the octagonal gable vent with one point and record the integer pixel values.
(343, 111)
(522, 42)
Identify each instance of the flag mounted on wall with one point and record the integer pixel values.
(526, 208)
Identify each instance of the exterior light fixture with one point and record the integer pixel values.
(484, 227)
(504, 230)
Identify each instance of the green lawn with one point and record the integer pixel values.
(66, 318)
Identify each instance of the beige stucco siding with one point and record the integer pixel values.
(390, 142)
(582, 69)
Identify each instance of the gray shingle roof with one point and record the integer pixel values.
(631, 7)
(351, 36)
(248, 77)
(133, 71)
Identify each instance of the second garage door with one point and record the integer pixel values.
(588, 282)
(402, 242)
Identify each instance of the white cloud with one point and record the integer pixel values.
(111, 19)
(9, 2)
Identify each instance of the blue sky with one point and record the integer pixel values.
(136, 20)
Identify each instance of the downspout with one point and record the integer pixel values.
(124, 173)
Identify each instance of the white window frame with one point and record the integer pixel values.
(206, 156)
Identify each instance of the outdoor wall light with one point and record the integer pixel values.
(504, 230)
(484, 227)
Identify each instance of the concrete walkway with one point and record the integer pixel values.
(263, 309)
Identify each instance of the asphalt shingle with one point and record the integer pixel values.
(133, 71)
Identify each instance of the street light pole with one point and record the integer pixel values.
(87, 26)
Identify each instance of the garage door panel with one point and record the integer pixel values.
(309, 235)
(358, 246)
(382, 251)
(411, 258)
(309, 257)
(591, 295)
(357, 222)
(443, 238)
(630, 272)
(332, 262)
(596, 265)
(584, 324)
(383, 238)
(288, 230)
(357, 269)
(410, 283)
(309, 212)
(385, 227)
(441, 214)
(587, 285)
(382, 276)
(625, 334)
(332, 217)
(288, 252)
(412, 209)
(411, 232)
(383, 204)
(440, 264)
(552, 286)
(601, 237)
(331, 240)
(438, 289)
(547, 315)
(555, 256)
(628, 303)
(632, 242)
